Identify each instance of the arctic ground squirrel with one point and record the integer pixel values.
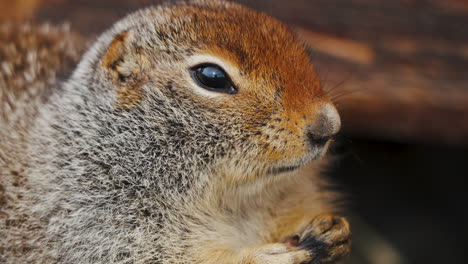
(191, 132)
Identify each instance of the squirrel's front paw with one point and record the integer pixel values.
(327, 238)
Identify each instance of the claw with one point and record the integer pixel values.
(327, 238)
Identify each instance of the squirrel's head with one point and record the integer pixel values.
(224, 85)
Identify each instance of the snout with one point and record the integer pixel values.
(326, 124)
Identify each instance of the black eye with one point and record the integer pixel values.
(213, 78)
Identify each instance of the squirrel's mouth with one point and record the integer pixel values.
(315, 155)
(284, 169)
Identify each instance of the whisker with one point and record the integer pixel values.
(339, 97)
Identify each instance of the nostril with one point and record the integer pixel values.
(317, 139)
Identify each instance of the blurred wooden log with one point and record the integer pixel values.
(405, 61)
(404, 101)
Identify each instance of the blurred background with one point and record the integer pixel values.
(398, 71)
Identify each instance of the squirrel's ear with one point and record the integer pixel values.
(124, 64)
(120, 58)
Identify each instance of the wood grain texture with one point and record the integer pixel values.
(398, 69)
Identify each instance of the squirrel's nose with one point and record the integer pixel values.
(326, 125)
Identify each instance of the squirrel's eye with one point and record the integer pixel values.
(213, 78)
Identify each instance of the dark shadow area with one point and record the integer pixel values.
(412, 196)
